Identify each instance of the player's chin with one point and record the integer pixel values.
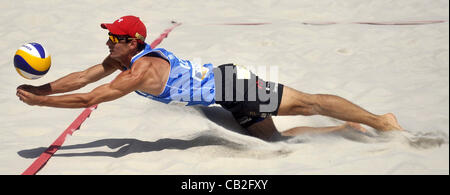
(113, 55)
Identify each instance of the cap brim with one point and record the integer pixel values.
(113, 29)
(103, 25)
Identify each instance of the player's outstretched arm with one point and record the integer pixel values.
(123, 84)
(74, 80)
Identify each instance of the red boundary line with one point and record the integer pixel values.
(45, 156)
(39, 163)
(419, 22)
(403, 22)
(252, 24)
(164, 35)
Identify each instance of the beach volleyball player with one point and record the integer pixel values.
(158, 74)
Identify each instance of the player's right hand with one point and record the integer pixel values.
(41, 90)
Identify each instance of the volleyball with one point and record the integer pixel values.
(32, 61)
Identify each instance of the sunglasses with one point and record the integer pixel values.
(116, 38)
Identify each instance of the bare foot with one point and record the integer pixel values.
(356, 126)
(390, 123)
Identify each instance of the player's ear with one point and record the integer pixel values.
(133, 43)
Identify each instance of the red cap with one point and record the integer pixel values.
(127, 25)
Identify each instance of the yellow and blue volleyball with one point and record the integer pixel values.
(32, 61)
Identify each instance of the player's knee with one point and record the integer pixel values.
(316, 103)
(306, 105)
(321, 102)
(306, 109)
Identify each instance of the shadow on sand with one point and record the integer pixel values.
(130, 146)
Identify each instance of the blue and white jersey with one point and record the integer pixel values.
(188, 83)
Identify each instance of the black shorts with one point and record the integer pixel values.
(249, 98)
